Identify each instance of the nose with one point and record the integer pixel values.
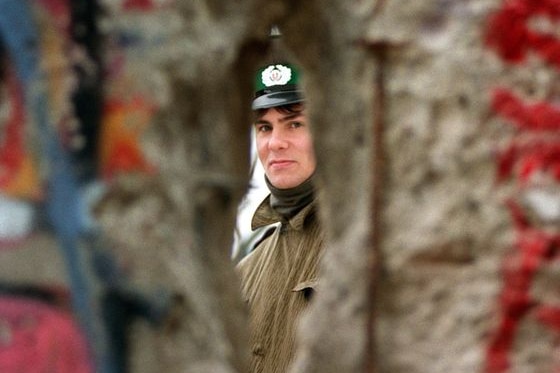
(277, 140)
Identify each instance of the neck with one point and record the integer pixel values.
(288, 202)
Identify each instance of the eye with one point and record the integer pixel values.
(296, 124)
(263, 127)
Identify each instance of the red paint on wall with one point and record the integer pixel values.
(509, 35)
(534, 150)
(536, 116)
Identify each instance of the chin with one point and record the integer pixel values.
(285, 184)
(286, 180)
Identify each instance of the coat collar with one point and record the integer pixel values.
(265, 215)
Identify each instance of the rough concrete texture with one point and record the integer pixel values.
(143, 215)
(446, 228)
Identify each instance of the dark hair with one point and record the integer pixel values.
(284, 109)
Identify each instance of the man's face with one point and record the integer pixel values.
(285, 147)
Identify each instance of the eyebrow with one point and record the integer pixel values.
(282, 120)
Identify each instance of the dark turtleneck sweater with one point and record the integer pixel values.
(288, 202)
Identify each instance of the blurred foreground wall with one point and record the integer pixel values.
(471, 163)
(471, 202)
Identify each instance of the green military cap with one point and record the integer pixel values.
(277, 85)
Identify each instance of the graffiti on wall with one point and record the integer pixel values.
(73, 107)
(519, 30)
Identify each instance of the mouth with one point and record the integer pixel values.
(280, 163)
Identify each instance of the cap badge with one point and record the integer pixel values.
(276, 75)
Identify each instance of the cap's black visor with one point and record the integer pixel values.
(275, 99)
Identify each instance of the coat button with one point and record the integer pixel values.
(258, 350)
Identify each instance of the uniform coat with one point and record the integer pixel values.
(278, 280)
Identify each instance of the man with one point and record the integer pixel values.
(279, 276)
